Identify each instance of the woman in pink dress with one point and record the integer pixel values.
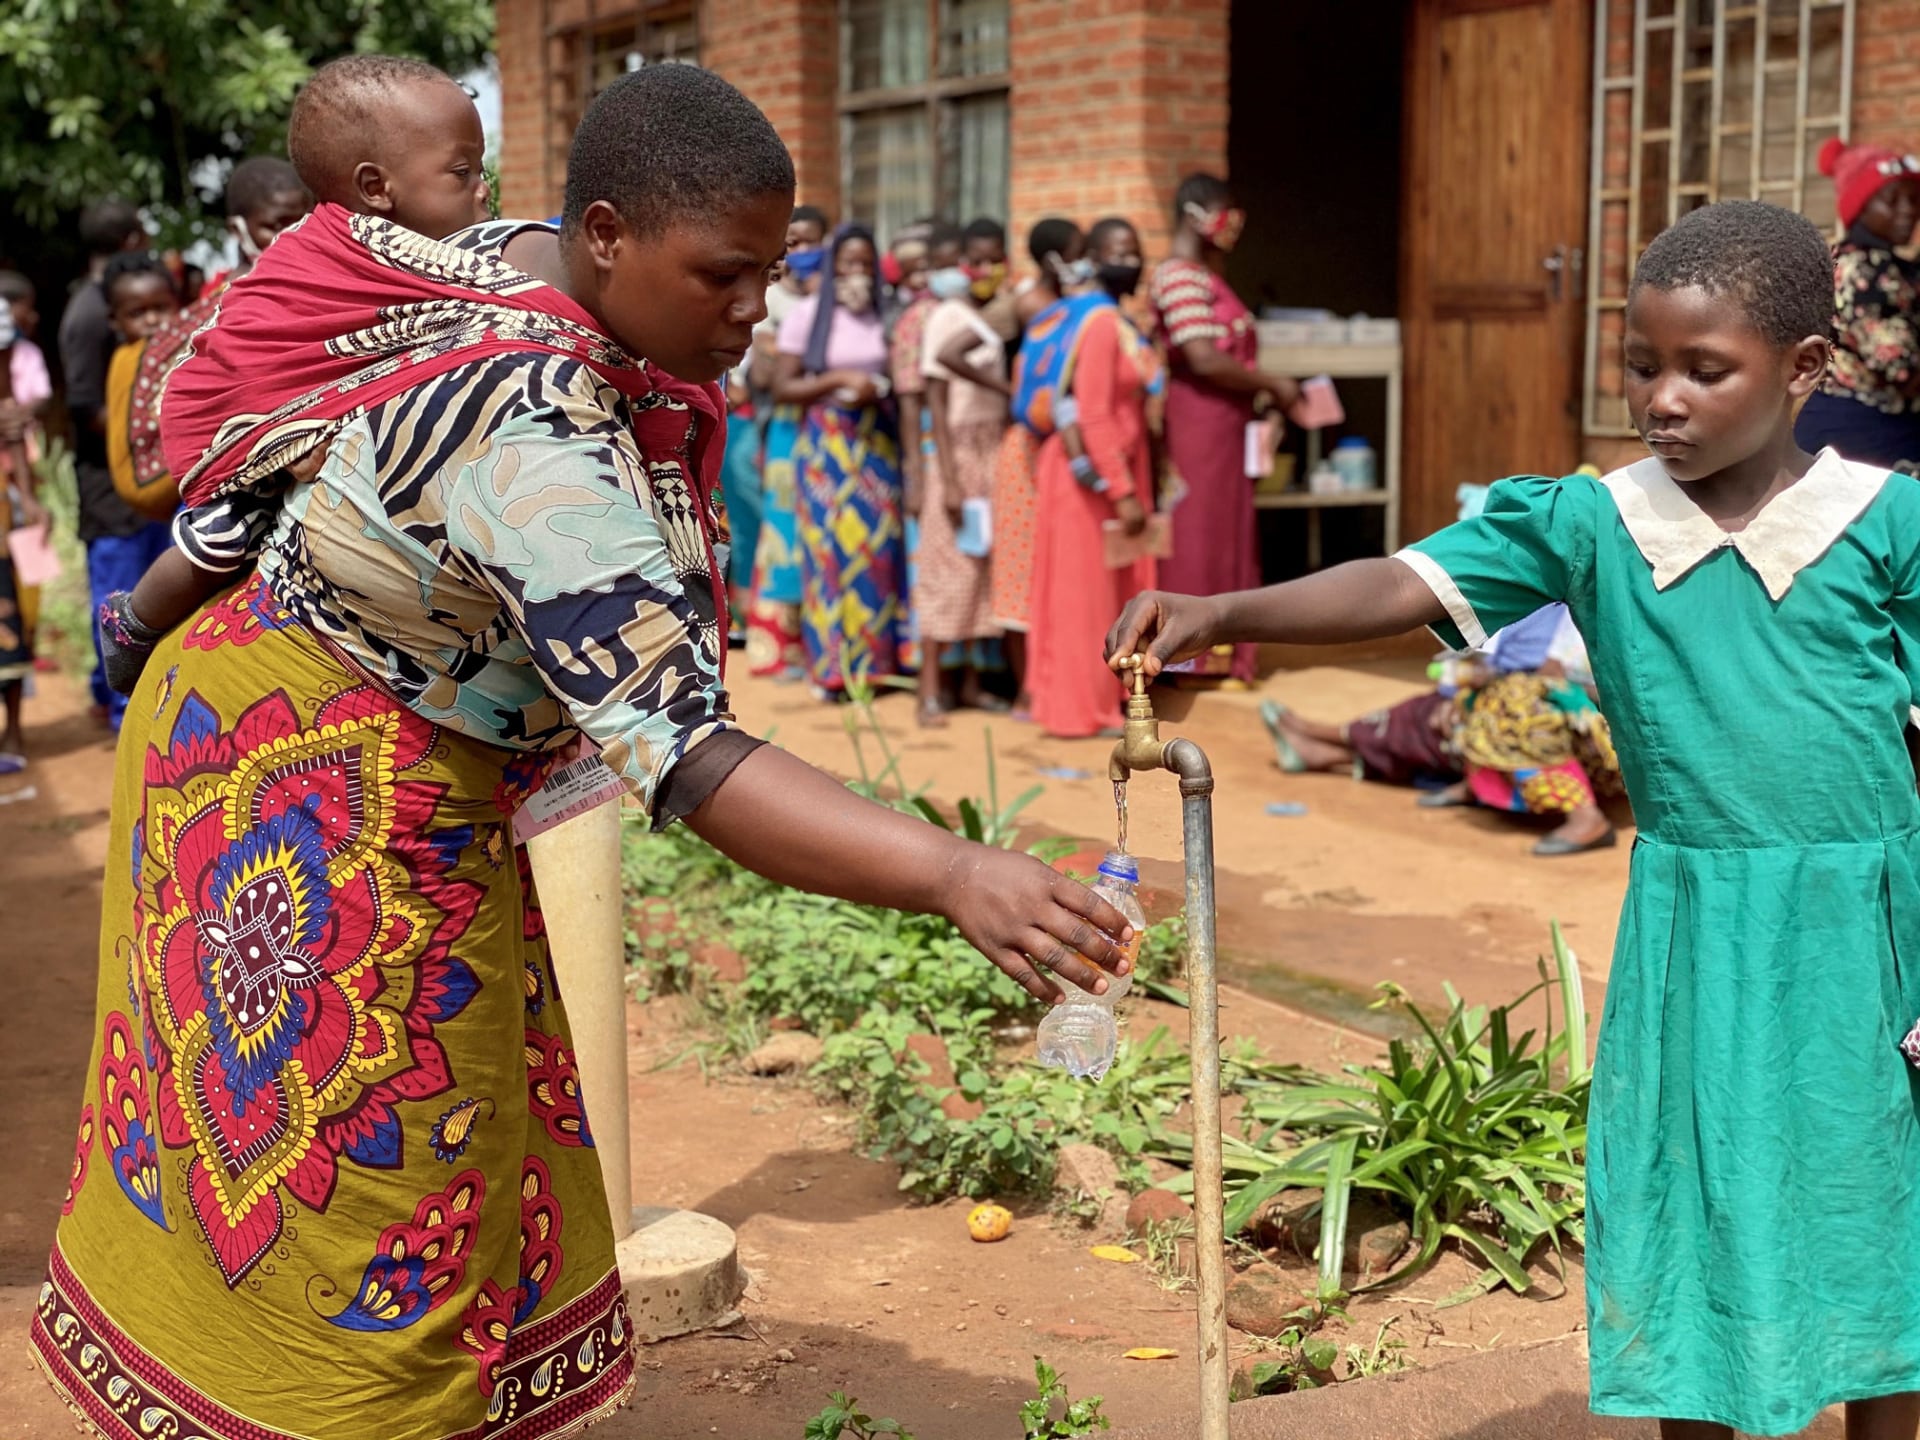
(1074, 590)
(1213, 390)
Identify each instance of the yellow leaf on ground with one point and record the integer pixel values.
(1119, 1254)
(1151, 1352)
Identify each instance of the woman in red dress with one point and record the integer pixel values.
(1074, 590)
(1211, 395)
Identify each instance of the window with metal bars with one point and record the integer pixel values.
(595, 54)
(1696, 101)
(923, 108)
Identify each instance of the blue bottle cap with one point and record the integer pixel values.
(1121, 866)
(1352, 442)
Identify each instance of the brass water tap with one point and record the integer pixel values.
(1139, 748)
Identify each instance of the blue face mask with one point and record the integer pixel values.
(805, 264)
(949, 284)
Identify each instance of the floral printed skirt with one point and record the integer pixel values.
(333, 1178)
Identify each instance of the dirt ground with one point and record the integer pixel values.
(889, 1300)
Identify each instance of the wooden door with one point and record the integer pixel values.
(1498, 96)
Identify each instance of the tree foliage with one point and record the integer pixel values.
(147, 98)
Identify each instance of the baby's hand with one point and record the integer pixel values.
(1167, 628)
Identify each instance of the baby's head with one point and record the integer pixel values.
(1728, 329)
(264, 196)
(140, 294)
(396, 138)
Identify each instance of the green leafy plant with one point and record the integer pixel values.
(1079, 1417)
(1303, 1359)
(843, 1419)
(1167, 1244)
(148, 98)
(1387, 1355)
(1474, 1132)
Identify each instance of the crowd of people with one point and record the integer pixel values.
(935, 471)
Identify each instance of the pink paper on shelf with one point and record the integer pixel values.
(34, 560)
(1318, 406)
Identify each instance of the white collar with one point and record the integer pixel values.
(1793, 530)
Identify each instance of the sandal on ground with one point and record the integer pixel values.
(1554, 847)
(1273, 715)
(1454, 797)
(12, 763)
(989, 705)
(931, 715)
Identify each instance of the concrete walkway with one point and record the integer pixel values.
(1538, 1393)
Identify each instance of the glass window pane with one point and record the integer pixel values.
(973, 37)
(891, 171)
(974, 149)
(886, 43)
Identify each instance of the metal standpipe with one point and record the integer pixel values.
(1141, 748)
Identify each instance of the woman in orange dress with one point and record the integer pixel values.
(1074, 590)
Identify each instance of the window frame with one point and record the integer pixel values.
(1606, 277)
(937, 95)
(576, 45)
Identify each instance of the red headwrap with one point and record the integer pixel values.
(344, 311)
(1859, 171)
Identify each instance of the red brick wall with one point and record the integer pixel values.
(523, 122)
(1886, 72)
(1112, 102)
(785, 55)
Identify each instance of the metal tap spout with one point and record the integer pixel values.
(1139, 746)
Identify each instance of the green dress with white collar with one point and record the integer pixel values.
(1753, 1162)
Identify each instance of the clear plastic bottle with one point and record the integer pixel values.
(1079, 1035)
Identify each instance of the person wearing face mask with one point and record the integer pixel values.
(921, 252)
(985, 256)
(1213, 391)
(833, 361)
(774, 647)
(1059, 255)
(964, 363)
(1101, 485)
(1868, 407)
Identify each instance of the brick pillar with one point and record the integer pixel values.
(1112, 102)
(785, 55)
(523, 121)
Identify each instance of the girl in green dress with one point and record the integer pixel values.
(1754, 616)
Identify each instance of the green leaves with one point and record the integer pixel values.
(843, 1417)
(136, 98)
(1475, 1135)
(1080, 1417)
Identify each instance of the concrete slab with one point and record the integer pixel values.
(1539, 1393)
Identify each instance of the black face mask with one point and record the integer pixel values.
(1118, 281)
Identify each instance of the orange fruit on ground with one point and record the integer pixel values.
(987, 1223)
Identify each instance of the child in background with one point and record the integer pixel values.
(264, 197)
(28, 390)
(1753, 614)
(378, 136)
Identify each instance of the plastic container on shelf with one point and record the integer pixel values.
(1325, 480)
(1355, 463)
(1365, 330)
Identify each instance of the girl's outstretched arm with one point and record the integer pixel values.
(1364, 600)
